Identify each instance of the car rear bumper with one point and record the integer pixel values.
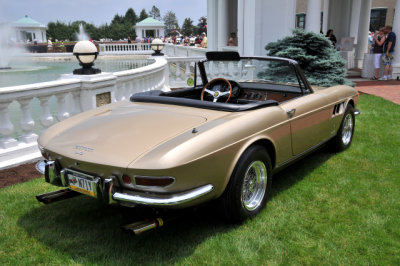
(106, 189)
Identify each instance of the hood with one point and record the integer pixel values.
(118, 136)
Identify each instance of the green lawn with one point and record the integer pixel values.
(326, 209)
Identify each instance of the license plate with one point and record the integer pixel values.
(82, 183)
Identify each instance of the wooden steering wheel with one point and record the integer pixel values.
(217, 93)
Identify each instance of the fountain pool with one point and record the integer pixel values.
(33, 70)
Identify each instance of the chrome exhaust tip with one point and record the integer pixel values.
(139, 227)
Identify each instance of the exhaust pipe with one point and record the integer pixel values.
(58, 195)
(139, 227)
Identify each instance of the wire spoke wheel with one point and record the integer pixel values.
(254, 185)
(347, 129)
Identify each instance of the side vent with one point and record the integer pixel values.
(338, 109)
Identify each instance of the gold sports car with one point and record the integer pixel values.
(242, 120)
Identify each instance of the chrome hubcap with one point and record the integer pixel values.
(254, 185)
(347, 129)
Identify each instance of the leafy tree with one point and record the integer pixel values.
(171, 22)
(202, 25)
(130, 17)
(187, 27)
(321, 63)
(155, 13)
(143, 15)
(59, 31)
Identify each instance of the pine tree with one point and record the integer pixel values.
(155, 13)
(143, 15)
(130, 17)
(187, 27)
(321, 63)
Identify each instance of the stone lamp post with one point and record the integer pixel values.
(86, 53)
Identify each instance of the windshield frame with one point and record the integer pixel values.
(299, 73)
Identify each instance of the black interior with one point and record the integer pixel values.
(245, 95)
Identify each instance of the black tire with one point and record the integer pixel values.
(238, 201)
(344, 136)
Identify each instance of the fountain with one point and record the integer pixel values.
(8, 49)
(82, 35)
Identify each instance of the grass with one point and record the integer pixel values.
(326, 209)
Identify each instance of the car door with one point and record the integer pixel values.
(309, 117)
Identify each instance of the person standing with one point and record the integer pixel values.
(204, 40)
(331, 37)
(388, 49)
(377, 49)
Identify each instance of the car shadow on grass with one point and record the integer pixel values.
(298, 170)
(88, 231)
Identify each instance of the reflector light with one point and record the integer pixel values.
(151, 181)
(126, 179)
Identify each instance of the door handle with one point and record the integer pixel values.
(291, 112)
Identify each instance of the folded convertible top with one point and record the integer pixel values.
(158, 96)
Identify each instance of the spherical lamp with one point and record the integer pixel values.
(86, 53)
(157, 45)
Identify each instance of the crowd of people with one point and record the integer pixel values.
(192, 40)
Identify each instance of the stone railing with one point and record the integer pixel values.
(125, 48)
(173, 50)
(70, 95)
(57, 100)
(180, 69)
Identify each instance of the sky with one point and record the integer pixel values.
(96, 11)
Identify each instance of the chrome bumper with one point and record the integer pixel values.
(105, 188)
(357, 112)
(173, 200)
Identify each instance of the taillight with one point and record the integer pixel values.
(126, 179)
(154, 181)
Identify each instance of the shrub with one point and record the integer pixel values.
(321, 63)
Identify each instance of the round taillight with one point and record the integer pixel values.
(126, 179)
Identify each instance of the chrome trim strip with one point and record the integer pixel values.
(167, 201)
(357, 112)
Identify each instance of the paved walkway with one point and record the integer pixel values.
(389, 90)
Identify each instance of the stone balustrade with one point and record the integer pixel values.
(74, 94)
(125, 48)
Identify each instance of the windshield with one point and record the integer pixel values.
(255, 71)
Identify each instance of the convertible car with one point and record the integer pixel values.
(220, 139)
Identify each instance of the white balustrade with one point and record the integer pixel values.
(27, 122)
(62, 107)
(125, 48)
(46, 119)
(73, 95)
(6, 128)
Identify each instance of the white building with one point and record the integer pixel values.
(27, 29)
(258, 22)
(149, 27)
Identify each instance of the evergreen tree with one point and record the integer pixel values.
(143, 15)
(130, 17)
(171, 22)
(321, 63)
(187, 27)
(202, 25)
(117, 19)
(155, 13)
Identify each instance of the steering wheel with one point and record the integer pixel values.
(216, 92)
